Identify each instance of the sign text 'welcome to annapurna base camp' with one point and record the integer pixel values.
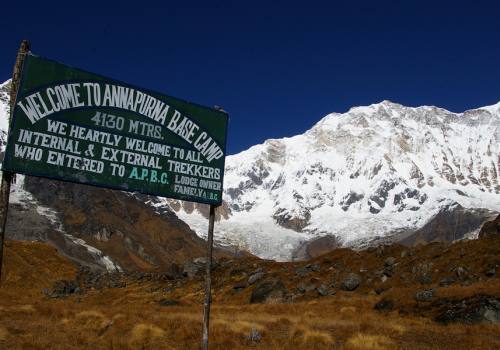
(77, 126)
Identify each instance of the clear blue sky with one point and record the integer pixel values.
(277, 67)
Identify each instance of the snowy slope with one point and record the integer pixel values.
(372, 171)
(4, 113)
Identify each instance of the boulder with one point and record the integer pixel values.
(425, 278)
(422, 272)
(255, 336)
(200, 261)
(380, 251)
(241, 284)
(384, 305)
(302, 271)
(381, 289)
(168, 302)
(196, 266)
(304, 288)
(461, 272)
(323, 290)
(270, 291)
(314, 267)
(390, 261)
(491, 272)
(388, 271)
(447, 281)
(62, 288)
(255, 277)
(191, 269)
(425, 295)
(173, 271)
(351, 282)
(260, 269)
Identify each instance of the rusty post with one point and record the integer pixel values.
(8, 176)
(208, 279)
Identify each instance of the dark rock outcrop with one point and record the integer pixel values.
(479, 308)
(270, 291)
(491, 228)
(452, 223)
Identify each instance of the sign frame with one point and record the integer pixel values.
(7, 164)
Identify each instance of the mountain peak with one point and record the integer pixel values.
(374, 172)
(493, 109)
(387, 103)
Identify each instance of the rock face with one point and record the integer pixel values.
(270, 291)
(491, 228)
(375, 173)
(451, 223)
(315, 247)
(126, 231)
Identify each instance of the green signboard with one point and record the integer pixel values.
(76, 126)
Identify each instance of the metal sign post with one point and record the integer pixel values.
(208, 279)
(6, 175)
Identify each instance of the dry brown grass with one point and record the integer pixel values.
(369, 342)
(130, 318)
(306, 338)
(4, 333)
(70, 325)
(145, 335)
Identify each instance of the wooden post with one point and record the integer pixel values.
(7, 176)
(208, 278)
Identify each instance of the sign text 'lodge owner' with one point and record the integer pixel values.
(77, 126)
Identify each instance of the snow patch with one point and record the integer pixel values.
(96, 253)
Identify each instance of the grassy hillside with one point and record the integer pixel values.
(305, 308)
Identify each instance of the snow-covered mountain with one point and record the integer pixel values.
(374, 173)
(383, 170)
